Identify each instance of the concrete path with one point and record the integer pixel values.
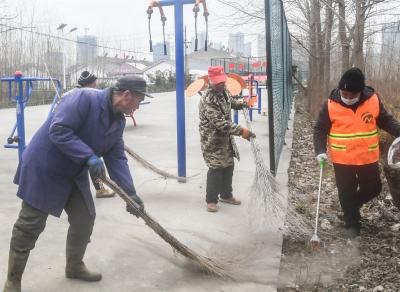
(128, 253)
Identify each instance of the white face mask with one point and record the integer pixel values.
(350, 101)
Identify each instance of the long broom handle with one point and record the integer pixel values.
(124, 196)
(321, 165)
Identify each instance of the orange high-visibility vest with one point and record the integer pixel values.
(353, 138)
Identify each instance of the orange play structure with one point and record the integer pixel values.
(234, 84)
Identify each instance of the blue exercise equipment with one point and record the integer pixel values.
(21, 101)
(180, 66)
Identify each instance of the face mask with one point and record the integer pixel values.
(349, 101)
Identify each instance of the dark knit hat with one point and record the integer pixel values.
(86, 78)
(353, 80)
(133, 84)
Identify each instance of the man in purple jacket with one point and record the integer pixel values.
(53, 172)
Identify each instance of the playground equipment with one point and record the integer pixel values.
(234, 84)
(253, 98)
(21, 99)
(131, 115)
(179, 64)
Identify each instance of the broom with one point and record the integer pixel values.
(268, 200)
(152, 167)
(205, 263)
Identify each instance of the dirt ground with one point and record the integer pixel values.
(369, 263)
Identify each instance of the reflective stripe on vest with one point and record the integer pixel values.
(354, 137)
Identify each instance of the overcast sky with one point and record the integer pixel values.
(121, 22)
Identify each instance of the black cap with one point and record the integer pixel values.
(133, 84)
(86, 78)
(353, 80)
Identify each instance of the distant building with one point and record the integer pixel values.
(108, 70)
(164, 67)
(158, 52)
(86, 49)
(247, 50)
(261, 46)
(201, 40)
(236, 43)
(201, 60)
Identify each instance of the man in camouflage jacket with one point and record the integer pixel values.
(216, 136)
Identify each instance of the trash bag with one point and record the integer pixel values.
(394, 154)
(392, 171)
(393, 179)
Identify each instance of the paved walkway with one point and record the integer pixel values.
(128, 253)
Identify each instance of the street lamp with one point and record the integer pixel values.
(61, 27)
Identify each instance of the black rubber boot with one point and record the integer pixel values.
(76, 268)
(16, 266)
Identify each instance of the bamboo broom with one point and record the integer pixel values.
(205, 263)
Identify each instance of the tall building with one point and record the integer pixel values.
(201, 40)
(236, 43)
(247, 50)
(261, 46)
(86, 49)
(158, 52)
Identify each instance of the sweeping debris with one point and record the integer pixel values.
(269, 205)
(205, 263)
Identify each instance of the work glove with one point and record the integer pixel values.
(247, 134)
(245, 104)
(322, 158)
(96, 167)
(131, 209)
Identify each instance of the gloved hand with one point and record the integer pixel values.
(132, 210)
(322, 158)
(247, 134)
(96, 167)
(244, 104)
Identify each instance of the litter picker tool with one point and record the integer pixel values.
(315, 242)
(205, 263)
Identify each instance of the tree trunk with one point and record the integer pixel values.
(328, 45)
(344, 40)
(358, 51)
(316, 60)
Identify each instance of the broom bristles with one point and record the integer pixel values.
(151, 166)
(268, 200)
(205, 263)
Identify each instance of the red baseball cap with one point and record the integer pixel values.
(217, 74)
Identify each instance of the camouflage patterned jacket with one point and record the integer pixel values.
(217, 129)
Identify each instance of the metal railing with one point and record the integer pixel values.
(242, 65)
(279, 77)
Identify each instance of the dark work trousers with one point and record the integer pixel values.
(357, 185)
(31, 222)
(219, 182)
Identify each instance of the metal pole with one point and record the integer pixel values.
(20, 116)
(235, 117)
(180, 88)
(270, 105)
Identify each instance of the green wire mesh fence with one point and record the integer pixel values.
(279, 77)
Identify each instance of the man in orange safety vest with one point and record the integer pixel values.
(347, 131)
